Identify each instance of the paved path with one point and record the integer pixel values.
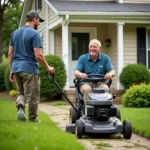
(60, 115)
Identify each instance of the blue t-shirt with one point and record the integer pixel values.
(23, 41)
(87, 65)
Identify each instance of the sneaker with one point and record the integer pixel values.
(35, 121)
(21, 115)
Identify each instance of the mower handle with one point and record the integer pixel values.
(50, 75)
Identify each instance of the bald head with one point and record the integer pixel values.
(95, 41)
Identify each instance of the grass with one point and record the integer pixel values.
(140, 119)
(58, 103)
(102, 144)
(17, 135)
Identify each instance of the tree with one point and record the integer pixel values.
(5, 6)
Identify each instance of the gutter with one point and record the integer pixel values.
(105, 13)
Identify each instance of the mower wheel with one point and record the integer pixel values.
(73, 116)
(127, 129)
(118, 114)
(79, 129)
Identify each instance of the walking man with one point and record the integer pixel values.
(24, 55)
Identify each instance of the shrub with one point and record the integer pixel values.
(137, 96)
(2, 81)
(134, 73)
(9, 85)
(12, 93)
(48, 88)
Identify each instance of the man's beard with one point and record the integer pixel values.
(35, 26)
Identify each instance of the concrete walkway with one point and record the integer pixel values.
(60, 115)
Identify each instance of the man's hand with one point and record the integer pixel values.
(11, 77)
(108, 76)
(83, 75)
(51, 69)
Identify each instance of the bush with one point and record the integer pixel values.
(137, 96)
(9, 85)
(2, 81)
(12, 93)
(134, 74)
(47, 88)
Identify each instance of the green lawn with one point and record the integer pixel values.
(140, 119)
(17, 135)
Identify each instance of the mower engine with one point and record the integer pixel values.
(98, 105)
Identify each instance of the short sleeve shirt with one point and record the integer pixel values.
(23, 41)
(87, 65)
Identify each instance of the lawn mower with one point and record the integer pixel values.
(99, 115)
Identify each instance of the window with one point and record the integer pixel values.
(38, 4)
(80, 43)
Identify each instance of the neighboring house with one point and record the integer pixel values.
(70, 24)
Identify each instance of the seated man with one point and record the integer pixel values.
(93, 62)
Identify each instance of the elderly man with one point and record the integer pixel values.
(93, 62)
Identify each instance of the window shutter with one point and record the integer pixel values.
(141, 45)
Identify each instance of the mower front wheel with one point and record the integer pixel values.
(127, 129)
(79, 129)
(73, 116)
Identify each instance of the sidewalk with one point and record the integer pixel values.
(60, 115)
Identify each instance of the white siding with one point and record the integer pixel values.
(52, 16)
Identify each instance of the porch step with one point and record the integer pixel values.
(71, 95)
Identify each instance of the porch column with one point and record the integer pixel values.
(119, 51)
(65, 49)
(52, 43)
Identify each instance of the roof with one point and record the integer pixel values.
(98, 6)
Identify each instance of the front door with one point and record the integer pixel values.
(79, 42)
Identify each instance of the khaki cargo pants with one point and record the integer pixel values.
(86, 88)
(28, 86)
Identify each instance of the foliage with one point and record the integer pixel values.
(9, 85)
(139, 118)
(137, 96)
(11, 22)
(134, 73)
(2, 81)
(12, 93)
(18, 135)
(48, 88)
(8, 7)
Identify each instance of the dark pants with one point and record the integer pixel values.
(28, 86)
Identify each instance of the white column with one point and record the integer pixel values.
(119, 51)
(120, 1)
(47, 32)
(52, 43)
(65, 50)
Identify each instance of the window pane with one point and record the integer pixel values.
(80, 43)
(148, 39)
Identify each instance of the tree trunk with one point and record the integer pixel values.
(1, 28)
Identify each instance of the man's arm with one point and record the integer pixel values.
(41, 59)
(79, 74)
(10, 56)
(110, 74)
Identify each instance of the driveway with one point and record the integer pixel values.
(60, 115)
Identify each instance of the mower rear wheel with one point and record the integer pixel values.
(127, 129)
(79, 129)
(73, 116)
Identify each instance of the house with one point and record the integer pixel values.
(122, 26)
